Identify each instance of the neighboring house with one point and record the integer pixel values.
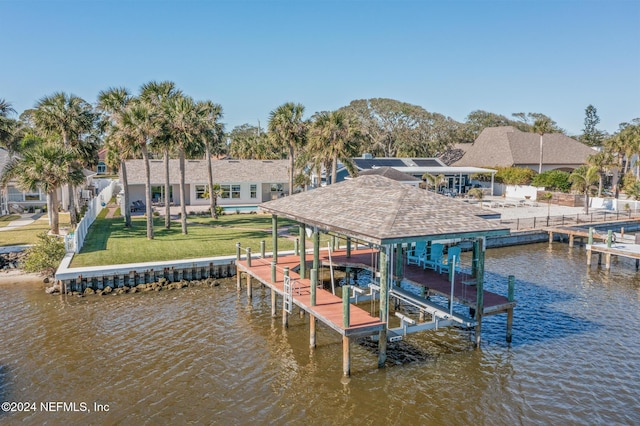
(458, 180)
(102, 168)
(15, 200)
(507, 146)
(392, 174)
(243, 182)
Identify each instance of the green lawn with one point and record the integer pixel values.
(27, 234)
(5, 220)
(110, 243)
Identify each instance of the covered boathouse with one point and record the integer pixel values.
(401, 234)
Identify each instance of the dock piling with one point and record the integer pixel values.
(511, 297)
(285, 314)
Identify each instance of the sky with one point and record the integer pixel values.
(452, 57)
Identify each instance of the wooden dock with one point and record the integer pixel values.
(629, 250)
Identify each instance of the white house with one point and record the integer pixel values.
(243, 182)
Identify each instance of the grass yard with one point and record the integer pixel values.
(27, 234)
(110, 243)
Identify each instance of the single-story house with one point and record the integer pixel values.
(243, 182)
(14, 199)
(507, 146)
(457, 179)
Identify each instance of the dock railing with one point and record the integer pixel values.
(541, 222)
(73, 242)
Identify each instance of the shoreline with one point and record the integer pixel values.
(18, 276)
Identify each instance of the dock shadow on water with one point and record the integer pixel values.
(211, 356)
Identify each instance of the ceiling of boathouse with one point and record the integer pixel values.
(381, 211)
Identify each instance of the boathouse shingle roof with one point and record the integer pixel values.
(382, 211)
(224, 171)
(507, 146)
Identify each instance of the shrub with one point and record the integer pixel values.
(514, 175)
(476, 193)
(45, 256)
(554, 180)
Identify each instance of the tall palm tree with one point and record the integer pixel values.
(139, 127)
(288, 131)
(48, 167)
(542, 126)
(156, 96)
(185, 122)
(212, 134)
(113, 103)
(582, 180)
(603, 161)
(8, 126)
(67, 117)
(335, 135)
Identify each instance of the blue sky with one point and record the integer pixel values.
(451, 57)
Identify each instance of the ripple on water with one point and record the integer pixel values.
(206, 355)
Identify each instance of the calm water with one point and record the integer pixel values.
(206, 355)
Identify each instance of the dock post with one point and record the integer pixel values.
(249, 287)
(622, 232)
(588, 257)
(296, 249)
(348, 247)
(347, 275)
(274, 236)
(511, 297)
(570, 240)
(316, 249)
(285, 314)
(346, 357)
(637, 264)
(590, 240)
(609, 237)
(607, 261)
(273, 291)
(303, 252)
(312, 301)
(333, 243)
(480, 294)
(550, 237)
(238, 274)
(249, 257)
(262, 249)
(384, 307)
(399, 262)
(346, 290)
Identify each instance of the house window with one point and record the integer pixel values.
(253, 189)
(230, 191)
(277, 187)
(102, 168)
(202, 192)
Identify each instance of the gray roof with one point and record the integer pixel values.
(390, 173)
(507, 146)
(224, 171)
(382, 211)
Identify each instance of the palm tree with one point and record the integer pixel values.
(288, 131)
(47, 166)
(113, 103)
(582, 180)
(212, 135)
(67, 117)
(542, 126)
(138, 128)
(602, 160)
(185, 122)
(8, 126)
(156, 96)
(334, 136)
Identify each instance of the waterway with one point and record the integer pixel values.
(208, 356)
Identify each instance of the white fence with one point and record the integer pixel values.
(74, 241)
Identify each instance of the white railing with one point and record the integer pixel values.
(75, 240)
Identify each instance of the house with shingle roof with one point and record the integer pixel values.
(507, 146)
(393, 174)
(243, 182)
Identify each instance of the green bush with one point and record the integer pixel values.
(628, 180)
(514, 175)
(45, 256)
(554, 180)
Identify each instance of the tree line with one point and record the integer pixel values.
(63, 133)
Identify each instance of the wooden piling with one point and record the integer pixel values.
(312, 331)
(570, 240)
(312, 301)
(238, 274)
(346, 357)
(285, 314)
(511, 297)
(384, 308)
(262, 249)
(274, 236)
(480, 295)
(607, 261)
(346, 305)
(249, 287)
(609, 238)
(274, 302)
(303, 252)
(588, 257)
(249, 257)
